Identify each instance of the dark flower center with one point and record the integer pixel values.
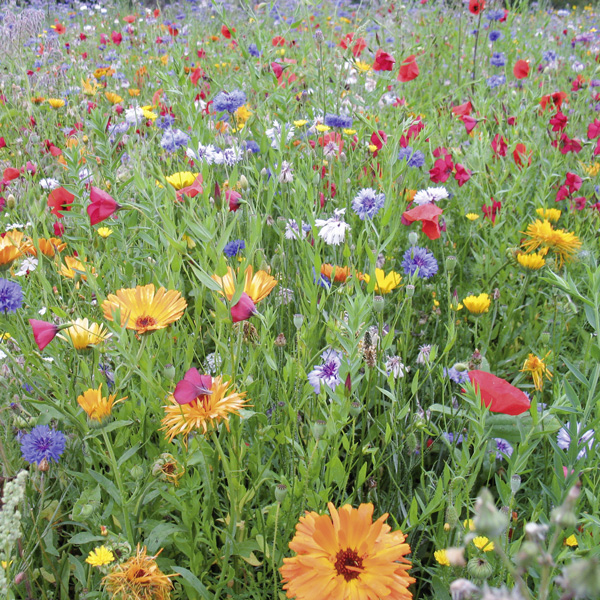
(329, 369)
(348, 564)
(43, 445)
(141, 322)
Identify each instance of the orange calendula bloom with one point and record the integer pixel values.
(542, 235)
(537, 367)
(144, 309)
(335, 273)
(257, 285)
(206, 410)
(73, 266)
(12, 245)
(347, 556)
(96, 406)
(48, 247)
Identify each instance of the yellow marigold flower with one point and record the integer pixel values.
(300, 123)
(97, 407)
(347, 556)
(472, 216)
(83, 334)
(544, 236)
(100, 556)
(592, 169)
(372, 147)
(104, 232)
(143, 309)
(322, 128)
(12, 245)
(103, 72)
(571, 541)
(537, 367)
(349, 131)
(56, 102)
(139, 578)
(257, 285)
(113, 98)
(148, 114)
(133, 92)
(90, 88)
(477, 305)
(469, 524)
(483, 543)
(442, 557)
(182, 179)
(362, 66)
(204, 412)
(73, 266)
(551, 214)
(385, 283)
(38, 99)
(532, 262)
(242, 114)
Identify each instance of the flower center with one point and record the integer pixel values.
(143, 321)
(348, 564)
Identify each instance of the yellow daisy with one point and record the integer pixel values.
(97, 407)
(83, 334)
(531, 262)
(477, 305)
(537, 367)
(257, 285)
(100, 556)
(385, 283)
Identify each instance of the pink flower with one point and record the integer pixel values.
(383, 61)
(102, 206)
(43, 332)
(244, 309)
(191, 386)
(462, 175)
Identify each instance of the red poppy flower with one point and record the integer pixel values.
(462, 109)
(278, 40)
(11, 173)
(3, 142)
(470, 123)
(60, 200)
(442, 169)
(521, 69)
(191, 190)
(102, 206)
(378, 139)
(476, 6)
(116, 37)
(499, 145)
(244, 309)
(409, 69)
(462, 175)
(191, 386)
(520, 154)
(557, 98)
(43, 332)
(59, 28)
(129, 19)
(226, 32)
(429, 215)
(59, 229)
(499, 395)
(559, 121)
(196, 75)
(492, 210)
(383, 61)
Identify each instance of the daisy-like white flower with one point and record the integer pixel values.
(27, 266)
(431, 194)
(49, 183)
(333, 230)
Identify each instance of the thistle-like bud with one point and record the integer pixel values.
(451, 264)
(280, 340)
(413, 238)
(515, 484)
(378, 304)
(280, 492)
(479, 568)
(169, 372)
(319, 37)
(410, 290)
(298, 320)
(43, 465)
(527, 555)
(411, 442)
(11, 202)
(456, 557)
(488, 520)
(463, 589)
(451, 515)
(319, 429)
(355, 409)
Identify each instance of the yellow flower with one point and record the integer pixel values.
(143, 309)
(300, 123)
(100, 556)
(242, 114)
(472, 216)
(182, 179)
(571, 541)
(385, 283)
(483, 543)
(362, 66)
(469, 524)
(551, 214)
(75, 267)
(90, 88)
(477, 305)
(113, 98)
(203, 412)
(12, 245)
(164, 59)
(104, 232)
(349, 131)
(138, 578)
(537, 367)
(56, 102)
(322, 128)
(592, 169)
(133, 91)
(532, 262)
(257, 285)
(372, 147)
(148, 113)
(542, 234)
(442, 557)
(84, 334)
(97, 407)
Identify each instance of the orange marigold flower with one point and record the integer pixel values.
(12, 245)
(257, 285)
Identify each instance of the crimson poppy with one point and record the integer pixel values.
(3, 142)
(499, 145)
(520, 154)
(559, 121)
(102, 206)
(196, 75)
(191, 386)
(191, 190)
(429, 215)
(521, 69)
(43, 332)
(244, 308)
(60, 200)
(462, 109)
(233, 198)
(116, 37)
(226, 32)
(383, 61)
(499, 395)
(442, 169)
(278, 41)
(557, 98)
(470, 123)
(409, 69)
(11, 173)
(476, 6)
(462, 175)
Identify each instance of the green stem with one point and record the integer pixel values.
(273, 551)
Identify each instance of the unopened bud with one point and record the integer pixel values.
(515, 484)
(528, 554)
(410, 290)
(319, 37)
(463, 589)
(413, 238)
(378, 303)
(280, 492)
(456, 557)
(355, 409)
(545, 338)
(137, 472)
(411, 442)
(19, 577)
(244, 184)
(298, 320)
(479, 568)
(10, 202)
(103, 530)
(319, 429)
(280, 340)
(450, 264)
(488, 520)
(451, 515)
(43, 465)
(169, 372)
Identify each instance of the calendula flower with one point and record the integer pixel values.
(98, 557)
(531, 262)
(138, 578)
(215, 402)
(537, 367)
(166, 468)
(550, 214)
(571, 541)
(83, 334)
(144, 309)
(97, 407)
(335, 273)
(148, 114)
(257, 285)
(385, 283)
(442, 557)
(347, 556)
(12, 245)
(182, 179)
(104, 232)
(133, 92)
(90, 88)
(113, 98)
(542, 235)
(477, 305)
(73, 266)
(48, 247)
(242, 114)
(483, 543)
(472, 216)
(56, 102)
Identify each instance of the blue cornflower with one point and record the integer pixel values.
(173, 139)
(453, 438)
(405, 153)
(11, 296)
(421, 259)
(367, 203)
(42, 443)
(549, 56)
(494, 15)
(165, 121)
(328, 372)
(498, 59)
(252, 146)
(417, 160)
(233, 248)
(338, 121)
(253, 50)
(229, 101)
(455, 375)
(105, 369)
(496, 80)
(495, 36)
(503, 448)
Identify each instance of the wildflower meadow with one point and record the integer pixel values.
(299, 300)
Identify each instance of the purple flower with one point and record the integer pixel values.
(564, 440)
(11, 296)
(229, 102)
(328, 372)
(495, 80)
(233, 248)
(173, 139)
(495, 35)
(420, 261)
(498, 59)
(455, 375)
(503, 448)
(367, 203)
(253, 50)
(165, 121)
(42, 443)
(338, 121)
(453, 438)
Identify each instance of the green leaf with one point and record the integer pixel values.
(158, 536)
(335, 471)
(107, 485)
(85, 537)
(194, 582)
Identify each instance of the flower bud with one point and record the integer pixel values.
(545, 338)
(280, 340)
(450, 264)
(488, 520)
(103, 530)
(137, 472)
(319, 429)
(410, 290)
(378, 303)
(87, 510)
(298, 320)
(280, 492)
(515, 484)
(43, 465)
(169, 372)
(413, 238)
(451, 515)
(463, 589)
(355, 409)
(244, 184)
(10, 202)
(411, 442)
(479, 568)
(319, 37)
(528, 554)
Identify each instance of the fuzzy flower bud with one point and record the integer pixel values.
(488, 520)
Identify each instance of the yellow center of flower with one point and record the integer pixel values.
(348, 564)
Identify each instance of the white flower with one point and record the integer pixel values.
(286, 175)
(85, 175)
(333, 230)
(27, 266)
(394, 366)
(275, 134)
(49, 183)
(438, 193)
(42, 311)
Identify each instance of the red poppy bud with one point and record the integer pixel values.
(243, 310)
(102, 206)
(43, 332)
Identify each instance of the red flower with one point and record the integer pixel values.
(2, 142)
(559, 121)
(521, 69)
(278, 41)
(476, 6)
(499, 145)
(191, 190)
(462, 109)
(566, 144)
(378, 139)
(593, 131)
(383, 61)
(59, 28)
(59, 229)
(225, 32)
(116, 37)
(580, 202)
(359, 46)
(11, 173)
(491, 211)
(556, 99)
(244, 309)
(129, 19)
(409, 69)
(233, 198)
(196, 75)
(597, 148)
(499, 395)
(470, 123)
(191, 386)
(60, 200)
(102, 206)
(43, 332)
(429, 215)
(442, 169)
(462, 175)
(520, 154)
